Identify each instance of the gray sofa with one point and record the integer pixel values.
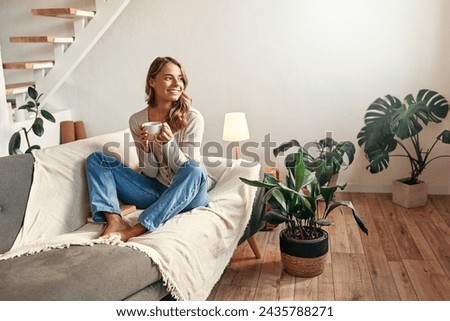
(66, 274)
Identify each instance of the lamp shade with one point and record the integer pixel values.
(235, 127)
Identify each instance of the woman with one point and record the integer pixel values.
(172, 179)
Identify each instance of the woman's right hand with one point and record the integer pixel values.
(144, 137)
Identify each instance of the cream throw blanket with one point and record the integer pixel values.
(191, 250)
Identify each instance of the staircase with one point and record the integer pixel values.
(48, 75)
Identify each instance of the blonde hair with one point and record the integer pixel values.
(177, 115)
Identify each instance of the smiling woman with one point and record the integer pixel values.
(171, 178)
(165, 85)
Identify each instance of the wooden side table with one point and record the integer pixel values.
(272, 170)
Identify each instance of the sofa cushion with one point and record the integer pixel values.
(77, 273)
(16, 176)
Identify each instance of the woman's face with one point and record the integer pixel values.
(168, 83)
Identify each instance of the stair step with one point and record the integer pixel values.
(62, 12)
(41, 64)
(19, 88)
(50, 39)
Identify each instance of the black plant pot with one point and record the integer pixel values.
(303, 258)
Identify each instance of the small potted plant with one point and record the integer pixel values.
(325, 157)
(32, 106)
(303, 241)
(392, 125)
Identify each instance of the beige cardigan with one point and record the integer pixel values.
(163, 160)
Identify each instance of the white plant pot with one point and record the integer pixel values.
(409, 196)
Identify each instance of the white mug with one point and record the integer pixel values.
(153, 127)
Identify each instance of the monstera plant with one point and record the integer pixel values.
(393, 128)
(32, 106)
(389, 123)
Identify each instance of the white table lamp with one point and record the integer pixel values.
(235, 129)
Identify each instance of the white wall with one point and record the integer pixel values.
(297, 68)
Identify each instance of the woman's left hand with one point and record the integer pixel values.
(165, 135)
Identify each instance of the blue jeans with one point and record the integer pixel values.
(110, 181)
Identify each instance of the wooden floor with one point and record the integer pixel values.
(406, 256)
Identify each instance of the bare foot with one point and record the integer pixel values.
(114, 223)
(128, 233)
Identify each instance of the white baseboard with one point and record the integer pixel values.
(363, 188)
(386, 188)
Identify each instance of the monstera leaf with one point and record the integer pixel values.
(410, 119)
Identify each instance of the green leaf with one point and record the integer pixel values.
(327, 143)
(299, 171)
(277, 196)
(323, 222)
(405, 122)
(437, 104)
(305, 210)
(289, 190)
(285, 146)
(14, 144)
(38, 127)
(377, 137)
(47, 115)
(354, 212)
(428, 106)
(32, 93)
(276, 217)
(29, 150)
(346, 148)
(328, 193)
(445, 137)
(289, 162)
(274, 204)
(313, 164)
(256, 183)
(324, 174)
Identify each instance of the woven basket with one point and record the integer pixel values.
(303, 267)
(303, 258)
